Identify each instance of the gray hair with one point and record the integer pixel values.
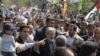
(61, 41)
(50, 29)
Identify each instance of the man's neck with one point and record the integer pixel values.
(71, 36)
(24, 40)
(50, 40)
(90, 34)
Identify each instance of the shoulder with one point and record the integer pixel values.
(19, 39)
(40, 28)
(7, 38)
(78, 37)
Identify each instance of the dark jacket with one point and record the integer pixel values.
(40, 33)
(26, 52)
(45, 50)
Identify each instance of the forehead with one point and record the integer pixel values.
(50, 31)
(24, 29)
(97, 30)
(71, 26)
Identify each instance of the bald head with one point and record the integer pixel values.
(63, 51)
(69, 53)
(61, 41)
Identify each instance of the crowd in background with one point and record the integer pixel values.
(47, 32)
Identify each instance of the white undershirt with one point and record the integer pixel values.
(70, 41)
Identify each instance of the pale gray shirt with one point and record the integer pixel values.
(8, 43)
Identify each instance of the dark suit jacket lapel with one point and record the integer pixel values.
(47, 46)
(20, 40)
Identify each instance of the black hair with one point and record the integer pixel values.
(87, 48)
(49, 19)
(83, 22)
(72, 22)
(74, 26)
(81, 17)
(90, 26)
(22, 27)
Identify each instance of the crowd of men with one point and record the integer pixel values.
(46, 33)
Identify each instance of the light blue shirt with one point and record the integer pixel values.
(8, 43)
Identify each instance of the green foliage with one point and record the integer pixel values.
(86, 4)
(72, 7)
(7, 3)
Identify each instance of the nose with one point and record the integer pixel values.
(27, 34)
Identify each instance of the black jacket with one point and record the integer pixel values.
(26, 52)
(45, 49)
